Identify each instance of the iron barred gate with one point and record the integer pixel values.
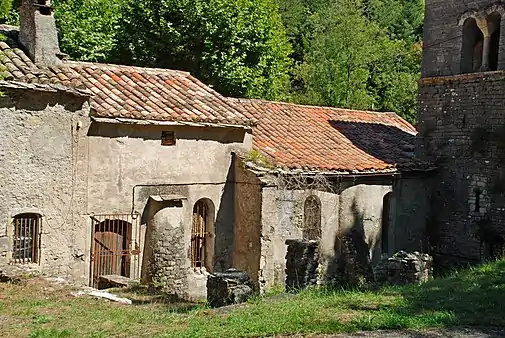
(115, 247)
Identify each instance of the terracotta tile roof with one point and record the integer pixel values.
(332, 140)
(125, 91)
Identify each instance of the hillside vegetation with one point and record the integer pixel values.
(362, 54)
(473, 297)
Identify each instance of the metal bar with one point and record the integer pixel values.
(16, 230)
(24, 240)
(33, 239)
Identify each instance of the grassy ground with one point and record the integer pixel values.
(473, 297)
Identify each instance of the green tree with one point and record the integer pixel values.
(88, 28)
(403, 19)
(237, 46)
(353, 62)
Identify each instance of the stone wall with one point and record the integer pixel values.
(281, 220)
(130, 167)
(443, 35)
(404, 268)
(43, 164)
(228, 288)
(461, 128)
(351, 220)
(247, 230)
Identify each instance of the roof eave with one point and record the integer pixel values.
(120, 120)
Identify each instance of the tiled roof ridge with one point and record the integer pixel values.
(110, 66)
(394, 115)
(338, 109)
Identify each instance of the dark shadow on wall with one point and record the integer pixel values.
(351, 265)
(386, 143)
(154, 132)
(224, 227)
(35, 100)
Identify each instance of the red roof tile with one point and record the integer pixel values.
(330, 139)
(126, 91)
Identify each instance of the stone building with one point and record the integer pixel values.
(331, 175)
(112, 170)
(148, 173)
(461, 128)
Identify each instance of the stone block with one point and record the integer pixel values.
(404, 268)
(228, 288)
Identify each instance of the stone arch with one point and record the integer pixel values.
(493, 21)
(472, 46)
(202, 234)
(312, 218)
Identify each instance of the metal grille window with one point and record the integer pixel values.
(312, 219)
(200, 234)
(26, 238)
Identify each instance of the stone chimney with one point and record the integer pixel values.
(37, 32)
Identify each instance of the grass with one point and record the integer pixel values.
(472, 297)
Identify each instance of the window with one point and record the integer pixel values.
(26, 238)
(493, 23)
(473, 46)
(386, 220)
(168, 138)
(201, 234)
(312, 219)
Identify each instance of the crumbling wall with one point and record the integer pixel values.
(281, 220)
(43, 169)
(404, 268)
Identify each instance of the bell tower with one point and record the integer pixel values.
(461, 124)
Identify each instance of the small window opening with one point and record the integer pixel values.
(312, 219)
(168, 138)
(478, 194)
(201, 235)
(472, 49)
(26, 238)
(386, 220)
(494, 22)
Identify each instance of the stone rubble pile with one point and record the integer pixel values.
(302, 262)
(228, 288)
(404, 268)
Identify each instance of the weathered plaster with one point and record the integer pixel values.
(43, 169)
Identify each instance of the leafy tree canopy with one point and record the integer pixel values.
(237, 46)
(362, 54)
(356, 54)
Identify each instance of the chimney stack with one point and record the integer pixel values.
(37, 32)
